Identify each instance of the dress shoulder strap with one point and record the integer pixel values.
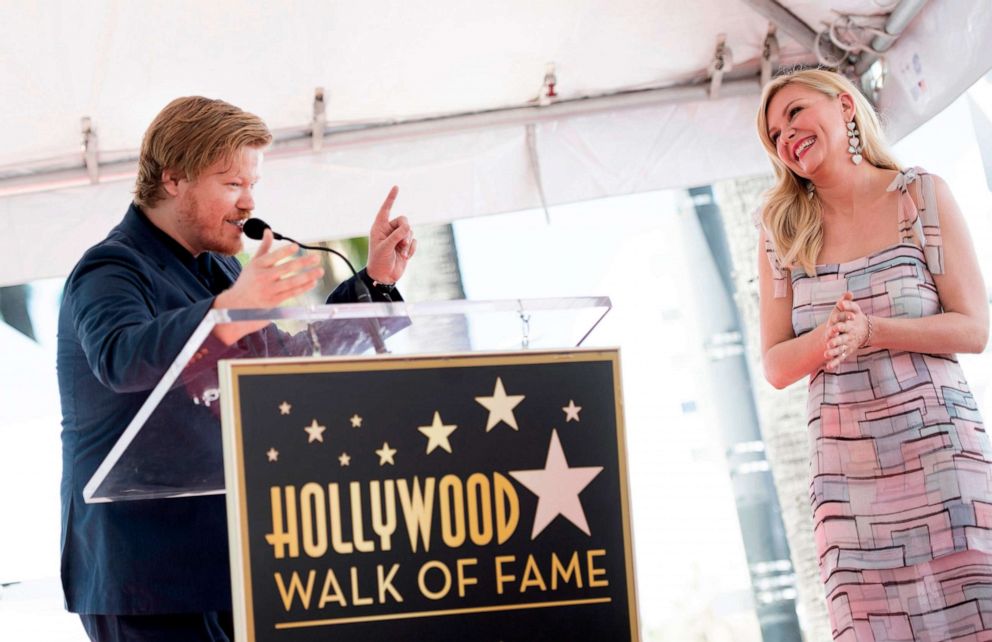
(919, 223)
(780, 275)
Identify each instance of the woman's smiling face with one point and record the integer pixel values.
(808, 127)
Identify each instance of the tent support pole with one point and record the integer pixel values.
(898, 20)
(296, 141)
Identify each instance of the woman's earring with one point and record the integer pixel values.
(810, 190)
(854, 143)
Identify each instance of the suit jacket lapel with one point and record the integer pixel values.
(149, 243)
(230, 267)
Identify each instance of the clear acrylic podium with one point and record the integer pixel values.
(172, 447)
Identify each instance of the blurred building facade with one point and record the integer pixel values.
(733, 404)
(782, 412)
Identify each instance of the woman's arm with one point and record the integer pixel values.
(785, 357)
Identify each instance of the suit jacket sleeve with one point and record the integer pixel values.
(347, 293)
(128, 339)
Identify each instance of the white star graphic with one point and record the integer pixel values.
(557, 488)
(272, 454)
(571, 411)
(437, 434)
(345, 459)
(284, 408)
(315, 432)
(500, 406)
(386, 454)
(356, 421)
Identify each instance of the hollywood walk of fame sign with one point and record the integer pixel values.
(429, 498)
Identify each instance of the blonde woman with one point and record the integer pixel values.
(869, 284)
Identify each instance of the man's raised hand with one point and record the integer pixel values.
(391, 244)
(265, 282)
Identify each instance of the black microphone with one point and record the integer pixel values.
(254, 228)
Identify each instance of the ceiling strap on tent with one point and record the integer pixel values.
(769, 55)
(548, 94)
(723, 61)
(863, 38)
(91, 150)
(535, 168)
(796, 28)
(319, 122)
(849, 34)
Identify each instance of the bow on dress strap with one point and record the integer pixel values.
(903, 179)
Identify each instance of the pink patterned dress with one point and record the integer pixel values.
(901, 467)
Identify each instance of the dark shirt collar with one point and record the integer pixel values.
(204, 267)
(174, 246)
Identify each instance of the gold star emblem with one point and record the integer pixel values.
(437, 434)
(571, 411)
(344, 459)
(356, 421)
(386, 454)
(272, 454)
(315, 432)
(284, 408)
(500, 406)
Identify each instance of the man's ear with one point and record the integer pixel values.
(170, 181)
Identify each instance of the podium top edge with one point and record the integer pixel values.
(408, 309)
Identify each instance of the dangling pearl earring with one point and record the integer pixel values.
(854, 143)
(810, 190)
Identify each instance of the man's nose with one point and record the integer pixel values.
(247, 200)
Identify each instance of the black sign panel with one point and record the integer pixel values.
(458, 498)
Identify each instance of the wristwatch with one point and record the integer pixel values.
(384, 288)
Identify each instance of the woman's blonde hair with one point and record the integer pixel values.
(793, 220)
(189, 135)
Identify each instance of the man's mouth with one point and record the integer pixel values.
(237, 222)
(802, 146)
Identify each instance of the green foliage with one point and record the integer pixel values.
(357, 250)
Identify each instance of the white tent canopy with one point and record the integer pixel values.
(440, 98)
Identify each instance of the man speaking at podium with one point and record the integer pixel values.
(158, 569)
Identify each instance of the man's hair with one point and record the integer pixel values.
(188, 136)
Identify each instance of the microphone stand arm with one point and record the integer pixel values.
(364, 296)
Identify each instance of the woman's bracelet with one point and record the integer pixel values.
(867, 342)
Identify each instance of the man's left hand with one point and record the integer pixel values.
(391, 244)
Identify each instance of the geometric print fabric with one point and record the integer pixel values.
(901, 466)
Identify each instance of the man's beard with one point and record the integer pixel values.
(202, 236)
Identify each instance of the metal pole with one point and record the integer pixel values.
(898, 20)
(762, 530)
(68, 171)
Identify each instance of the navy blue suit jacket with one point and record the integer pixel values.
(129, 306)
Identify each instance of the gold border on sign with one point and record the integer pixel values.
(419, 614)
(628, 530)
(239, 454)
(309, 365)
